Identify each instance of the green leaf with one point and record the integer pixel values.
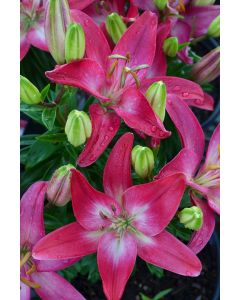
(33, 111)
(158, 272)
(28, 140)
(52, 137)
(48, 117)
(44, 91)
(159, 295)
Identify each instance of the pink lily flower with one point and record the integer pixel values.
(115, 78)
(122, 223)
(32, 25)
(206, 182)
(39, 274)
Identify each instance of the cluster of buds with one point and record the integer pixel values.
(78, 127)
(142, 161)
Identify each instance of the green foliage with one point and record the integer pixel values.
(159, 295)
(156, 271)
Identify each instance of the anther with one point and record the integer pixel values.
(29, 283)
(31, 270)
(25, 259)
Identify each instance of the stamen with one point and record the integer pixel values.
(118, 56)
(140, 67)
(112, 68)
(31, 270)
(113, 208)
(218, 151)
(102, 215)
(181, 7)
(213, 167)
(25, 259)
(29, 283)
(134, 75)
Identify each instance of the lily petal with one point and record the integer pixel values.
(85, 74)
(54, 265)
(137, 113)
(201, 237)
(36, 36)
(213, 152)
(24, 46)
(139, 41)
(69, 241)
(53, 287)
(105, 125)
(186, 162)
(97, 47)
(205, 103)
(92, 209)
(117, 172)
(187, 124)
(31, 218)
(24, 292)
(153, 205)
(159, 66)
(76, 4)
(145, 5)
(167, 252)
(116, 258)
(213, 197)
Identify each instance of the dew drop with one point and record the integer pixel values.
(154, 128)
(92, 158)
(111, 128)
(176, 88)
(106, 137)
(102, 144)
(198, 101)
(185, 94)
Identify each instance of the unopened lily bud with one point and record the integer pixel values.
(29, 94)
(161, 4)
(142, 161)
(214, 28)
(74, 42)
(207, 68)
(78, 127)
(191, 218)
(57, 19)
(203, 2)
(115, 27)
(170, 46)
(156, 95)
(58, 191)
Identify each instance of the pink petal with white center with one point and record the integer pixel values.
(24, 46)
(105, 125)
(53, 287)
(85, 74)
(139, 41)
(187, 124)
(31, 214)
(206, 103)
(93, 209)
(76, 4)
(186, 162)
(116, 258)
(167, 252)
(200, 17)
(117, 172)
(36, 36)
(182, 31)
(24, 292)
(151, 206)
(185, 89)
(97, 47)
(201, 237)
(68, 242)
(159, 66)
(137, 113)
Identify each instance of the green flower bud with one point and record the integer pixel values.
(115, 27)
(160, 4)
(191, 218)
(74, 42)
(214, 28)
(29, 94)
(142, 161)
(170, 46)
(78, 127)
(203, 2)
(156, 95)
(57, 19)
(58, 191)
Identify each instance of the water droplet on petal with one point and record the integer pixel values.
(185, 94)
(92, 158)
(111, 128)
(106, 137)
(198, 101)
(154, 128)
(177, 88)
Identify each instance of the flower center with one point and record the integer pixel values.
(29, 266)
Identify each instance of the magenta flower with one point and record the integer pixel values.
(206, 182)
(115, 78)
(122, 223)
(39, 274)
(32, 25)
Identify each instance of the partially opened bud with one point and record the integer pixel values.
(207, 68)
(191, 218)
(142, 161)
(74, 42)
(57, 19)
(78, 127)
(156, 95)
(160, 4)
(214, 28)
(58, 191)
(170, 46)
(115, 26)
(203, 2)
(29, 94)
